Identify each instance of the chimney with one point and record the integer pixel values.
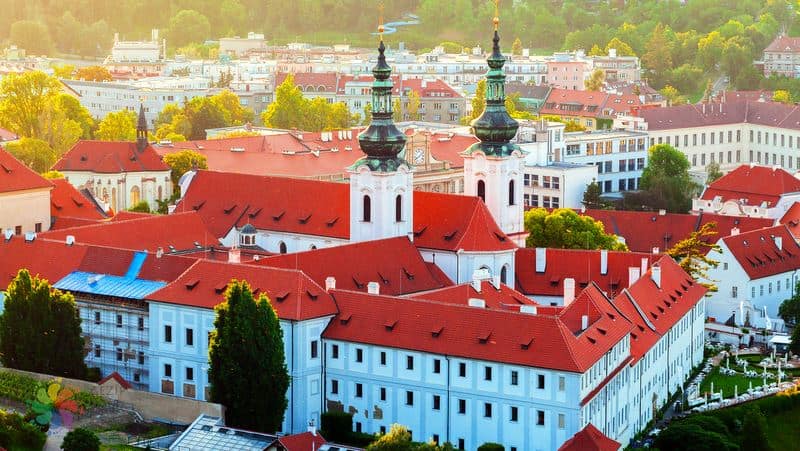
(496, 281)
(330, 283)
(70, 240)
(734, 231)
(235, 255)
(529, 309)
(633, 275)
(373, 288)
(778, 242)
(541, 259)
(569, 291)
(476, 283)
(312, 428)
(656, 250)
(662, 212)
(159, 252)
(655, 274)
(644, 266)
(475, 302)
(30, 236)
(584, 322)
(8, 233)
(604, 262)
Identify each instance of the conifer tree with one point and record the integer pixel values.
(39, 329)
(247, 371)
(692, 254)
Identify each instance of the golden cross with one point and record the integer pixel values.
(496, 14)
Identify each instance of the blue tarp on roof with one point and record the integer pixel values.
(123, 287)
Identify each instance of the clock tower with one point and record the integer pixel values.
(493, 167)
(381, 183)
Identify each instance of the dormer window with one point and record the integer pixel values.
(247, 235)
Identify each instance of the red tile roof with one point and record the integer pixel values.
(498, 298)
(590, 439)
(425, 88)
(110, 157)
(68, 202)
(536, 340)
(783, 43)
(355, 265)
(791, 219)
(756, 184)
(68, 223)
(7, 135)
(118, 378)
(768, 113)
(759, 255)
(570, 102)
(581, 265)
(441, 221)
(644, 230)
(51, 260)
(15, 176)
(293, 294)
(312, 81)
(449, 147)
(181, 231)
(302, 442)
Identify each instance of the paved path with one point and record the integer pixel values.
(54, 439)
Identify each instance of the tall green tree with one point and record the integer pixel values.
(755, 427)
(565, 229)
(666, 179)
(658, 55)
(188, 26)
(247, 368)
(595, 80)
(790, 308)
(203, 114)
(232, 110)
(713, 172)
(40, 330)
(34, 153)
(288, 107)
(691, 254)
(478, 102)
(184, 161)
(117, 126)
(24, 99)
(32, 36)
(413, 106)
(591, 197)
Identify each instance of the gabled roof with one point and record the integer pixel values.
(68, 202)
(51, 260)
(734, 111)
(643, 230)
(293, 294)
(791, 219)
(536, 340)
(441, 221)
(756, 184)
(15, 176)
(584, 266)
(355, 265)
(311, 81)
(110, 157)
(590, 439)
(305, 441)
(572, 102)
(118, 378)
(502, 297)
(783, 43)
(758, 254)
(174, 232)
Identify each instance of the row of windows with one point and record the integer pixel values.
(735, 290)
(548, 181)
(367, 209)
(189, 373)
(755, 156)
(188, 336)
(37, 228)
(532, 200)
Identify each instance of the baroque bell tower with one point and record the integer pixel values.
(493, 167)
(381, 183)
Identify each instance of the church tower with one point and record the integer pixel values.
(141, 131)
(493, 168)
(381, 183)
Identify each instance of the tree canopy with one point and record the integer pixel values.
(292, 110)
(34, 153)
(247, 368)
(666, 179)
(789, 309)
(184, 161)
(565, 229)
(118, 126)
(692, 254)
(40, 330)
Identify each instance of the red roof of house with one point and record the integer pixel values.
(293, 294)
(51, 260)
(582, 265)
(571, 102)
(117, 377)
(110, 157)
(763, 112)
(169, 232)
(784, 43)
(449, 147)
(536, 340)
(590, 439)
(758, 254)
(791, 219)
(7, 135)
(324, 82)
(644, 230)
(15, 176)
(425, 88)
(302, 442)
(441, 221)
(355, 265)
(499, 298)
(756, 184)
(68, 202)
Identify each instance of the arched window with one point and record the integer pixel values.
(504, 274)
(482, 190)
(135, 196)
(313, 247)
(511, 200)
(398, 208)
(282, 247)
(367, 209)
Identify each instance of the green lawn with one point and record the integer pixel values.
(727, 383)
(782, 429)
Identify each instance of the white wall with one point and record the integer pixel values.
(25, 209)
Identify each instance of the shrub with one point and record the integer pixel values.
(491, 447)
(15, 433)
(336, 426)
(81, 439)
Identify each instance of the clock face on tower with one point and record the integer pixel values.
(419, 156)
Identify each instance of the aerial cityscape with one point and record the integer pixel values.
(423, 225)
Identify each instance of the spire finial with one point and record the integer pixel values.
(380, 20)
(496, 19)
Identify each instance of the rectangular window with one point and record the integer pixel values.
(189, 374)
(97, 317)
(462, 369)
(487, 373)
(38, 227)
(514, 378)
(514, 414)
(562, 382)
(359, 355)
(437, 366)
(487, 410)
(97, 350)
(383, 358)
(314, 350)
(335, 351)
(540, 417)
(334, 387)
(462, 406)
(119, 354)
(140, 358)
(189, 337)
(167, 370)
(140, 324)
(119, 320)
(383, 393)
(409, 362)
(540, 382)
(168, 334)
(437, 400)
(561, 421)
(461, 443)
(409, 398)
(359, 391)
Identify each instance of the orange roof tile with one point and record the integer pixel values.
(15, 176)
(110, 157)
(590, 439)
